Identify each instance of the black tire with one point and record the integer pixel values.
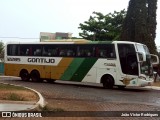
(108, 82)
(50, 80)
(35, 76)
(24, 75)
(121, 87)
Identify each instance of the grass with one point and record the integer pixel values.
(11, 87)
(16, 93)
(15, 97)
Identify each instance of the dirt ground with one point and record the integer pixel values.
(14, 93)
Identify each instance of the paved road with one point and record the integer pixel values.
(92, 97)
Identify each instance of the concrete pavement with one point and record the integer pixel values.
(15, 107)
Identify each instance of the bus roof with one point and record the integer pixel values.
(74, 41)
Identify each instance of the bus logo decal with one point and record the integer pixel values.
(110, 64)
(40, 60)
(14, 59)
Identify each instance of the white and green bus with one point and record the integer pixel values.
(116, 63)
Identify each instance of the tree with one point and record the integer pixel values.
(140, 23)
(1, 50)
(103, 27)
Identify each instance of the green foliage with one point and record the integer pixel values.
(140, 23)
(103, 27)
(1, 50)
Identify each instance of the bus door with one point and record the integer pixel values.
(128, 60)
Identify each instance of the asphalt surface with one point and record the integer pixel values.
(71, 96)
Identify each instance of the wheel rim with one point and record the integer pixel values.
(35, 76)
(24, 76)
(108, 82)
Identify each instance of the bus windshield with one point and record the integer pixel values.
(145, 66)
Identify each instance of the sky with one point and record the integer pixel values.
(27, 18)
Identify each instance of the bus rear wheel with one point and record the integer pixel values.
(108, 81)
(24, 75)
(35, 76)
(50, 80)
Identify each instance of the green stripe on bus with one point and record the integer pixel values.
(72, 68)
(83, 69)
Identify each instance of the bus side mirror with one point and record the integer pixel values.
(141, 57)
(154, 59)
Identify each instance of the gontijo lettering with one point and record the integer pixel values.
(40, 60)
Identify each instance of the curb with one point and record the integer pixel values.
(41, 101)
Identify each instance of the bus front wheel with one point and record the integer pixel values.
(35, 76)
(108, 81)
(24, 75)
(121, 87)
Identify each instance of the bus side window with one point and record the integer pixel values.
(102, 53)
(37, 52)
(22, 51)
(66, 50)
(13, 49)
(111, 51)
(106, 51)
(49, 53)
(88, 54)
(81, 53)
(85, 51)
(70, 53)
(49, 50)
(62, 53)
(78, 53)
(44, 52)
(27, 52)
(54, 52)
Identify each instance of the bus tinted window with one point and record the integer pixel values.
(25, 50)
(85, 50)
(50, 50)
(37, 50)
(30, 50)
(12, 50)
(67, 50)
(105, 51)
